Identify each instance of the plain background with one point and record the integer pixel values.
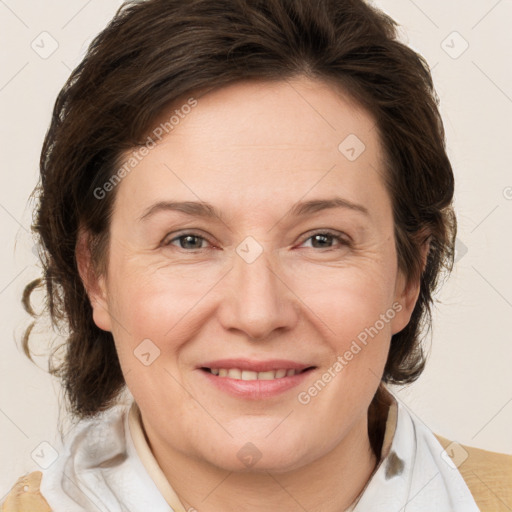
(465, 394)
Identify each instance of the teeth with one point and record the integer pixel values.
(267, 375)
(236, 373)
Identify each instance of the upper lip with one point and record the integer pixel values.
(256, 366)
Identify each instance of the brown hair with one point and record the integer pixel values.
(156, 51)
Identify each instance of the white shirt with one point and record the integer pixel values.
(106, 465)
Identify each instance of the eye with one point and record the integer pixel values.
(325, 239)
(319, 240)
(186, 241)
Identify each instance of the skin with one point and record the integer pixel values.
(253, 150)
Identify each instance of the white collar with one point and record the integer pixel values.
(413, 476)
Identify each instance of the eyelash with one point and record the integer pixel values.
(343, 241)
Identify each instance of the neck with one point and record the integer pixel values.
(328, 484)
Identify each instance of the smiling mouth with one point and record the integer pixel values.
(238, 374)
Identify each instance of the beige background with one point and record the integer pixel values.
(466, 392)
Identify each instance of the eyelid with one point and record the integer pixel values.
(340, 235)
(171, 237)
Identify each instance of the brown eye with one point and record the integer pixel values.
(326, 240)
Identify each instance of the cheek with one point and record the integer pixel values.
(151, 322)
(355, 319)
(155, 304)
(349, 300)
(353, 310)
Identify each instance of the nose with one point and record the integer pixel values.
(257, 300)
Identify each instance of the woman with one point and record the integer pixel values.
(245, 208)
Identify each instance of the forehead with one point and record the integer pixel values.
(260, 141)
(299, 114)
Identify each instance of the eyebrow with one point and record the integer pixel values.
(197, 209)
(206, 210)
(308, 207)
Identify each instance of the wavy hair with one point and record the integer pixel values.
(156, 51)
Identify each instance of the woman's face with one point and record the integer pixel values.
(254, 241)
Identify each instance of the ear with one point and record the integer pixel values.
(407, 292)
(94, 284)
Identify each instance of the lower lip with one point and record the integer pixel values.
(256, 389)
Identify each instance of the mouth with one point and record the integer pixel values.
(254, 380)
(240, 374)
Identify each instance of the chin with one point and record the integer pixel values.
(262, 455)
(271, 463)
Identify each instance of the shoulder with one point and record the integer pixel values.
(98, 441)
(488, 475)
(25, 495)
